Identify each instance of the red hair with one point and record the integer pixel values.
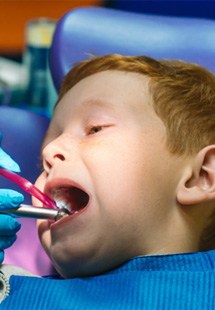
(183, 95)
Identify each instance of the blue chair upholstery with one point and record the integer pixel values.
(86, 31)
(23, 132)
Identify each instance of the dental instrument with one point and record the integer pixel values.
(36, 212)
(51, 210)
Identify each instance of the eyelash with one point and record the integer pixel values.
(95, 129)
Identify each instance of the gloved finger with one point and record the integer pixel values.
(6, 242)
(7, 162)
(1, 256)
(8, 225)
(10, 199)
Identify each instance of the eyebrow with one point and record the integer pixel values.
(97, 103)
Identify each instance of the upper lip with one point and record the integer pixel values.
(68, 193)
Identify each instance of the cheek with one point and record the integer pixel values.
(118, 172)
(127, 174)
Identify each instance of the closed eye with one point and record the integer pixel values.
(95, 129)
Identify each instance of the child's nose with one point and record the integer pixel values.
(53, 153)
(60, 156)
(49, 161)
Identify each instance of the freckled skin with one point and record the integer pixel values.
(105, 136)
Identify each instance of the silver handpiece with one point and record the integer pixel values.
(36, 212)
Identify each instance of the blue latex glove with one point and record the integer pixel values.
(8, 199)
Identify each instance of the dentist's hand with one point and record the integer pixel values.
(8, 225)
(8, 199)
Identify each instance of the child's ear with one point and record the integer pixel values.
(198, 182)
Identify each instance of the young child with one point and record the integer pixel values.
(130, 151)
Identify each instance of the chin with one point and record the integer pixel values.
(85, 262)
(80, 264)
(76, 268)
(80, 269)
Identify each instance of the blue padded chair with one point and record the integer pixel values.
(86, 31)
(23, 132)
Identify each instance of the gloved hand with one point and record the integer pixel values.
(8, 199)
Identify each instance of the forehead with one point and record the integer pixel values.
(107, 88)
(118, 94)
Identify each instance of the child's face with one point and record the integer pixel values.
(106, 139)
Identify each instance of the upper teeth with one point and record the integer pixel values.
(63, 204)
(60, 199)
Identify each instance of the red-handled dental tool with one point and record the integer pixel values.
(52, 211)
(29, 188)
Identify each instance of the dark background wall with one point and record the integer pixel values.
(202, 9)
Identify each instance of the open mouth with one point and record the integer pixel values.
(71, 198)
